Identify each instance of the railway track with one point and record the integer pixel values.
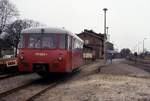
(37, 91)
(8, 92)
(46, 89)
(30, 85)
(140, 65)
(62, 81)
(5, 76)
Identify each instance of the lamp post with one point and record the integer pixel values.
(105, 9)
(105, 37)
(107, 34)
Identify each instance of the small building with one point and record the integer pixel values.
(109, 46)
(110, 52)
(93, 43)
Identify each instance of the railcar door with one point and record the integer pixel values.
(70, 52)
(73, 53)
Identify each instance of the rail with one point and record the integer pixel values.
(45, 88)
(8, 76)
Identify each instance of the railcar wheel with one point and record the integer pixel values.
(47, 75)
(76, 70)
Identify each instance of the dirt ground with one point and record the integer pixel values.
(115, 82)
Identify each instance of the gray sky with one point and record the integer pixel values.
(129, 20)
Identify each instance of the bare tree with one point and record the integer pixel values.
(7, 12)
(14, 30)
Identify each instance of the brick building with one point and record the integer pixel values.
(93, 42)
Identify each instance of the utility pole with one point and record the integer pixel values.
(105, 37)
(107, 30)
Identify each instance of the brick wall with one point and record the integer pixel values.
(94, 41)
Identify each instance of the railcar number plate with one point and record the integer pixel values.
(41, 54)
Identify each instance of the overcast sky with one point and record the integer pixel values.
(128, 20)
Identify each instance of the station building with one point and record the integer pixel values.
(93, 43)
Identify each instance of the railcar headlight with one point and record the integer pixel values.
(60, 58)
(21, 57)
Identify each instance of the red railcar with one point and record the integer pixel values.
(49, 50)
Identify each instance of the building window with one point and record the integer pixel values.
(86, 41)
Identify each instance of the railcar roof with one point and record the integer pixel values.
(50, 30)
(46, 30)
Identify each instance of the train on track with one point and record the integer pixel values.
(49, 50)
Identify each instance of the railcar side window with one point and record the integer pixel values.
(73, 43)
(77, 45)
(69, 43)
(63, 41)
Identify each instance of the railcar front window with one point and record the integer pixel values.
(34, 42)
(49, 42)
(42, 41)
